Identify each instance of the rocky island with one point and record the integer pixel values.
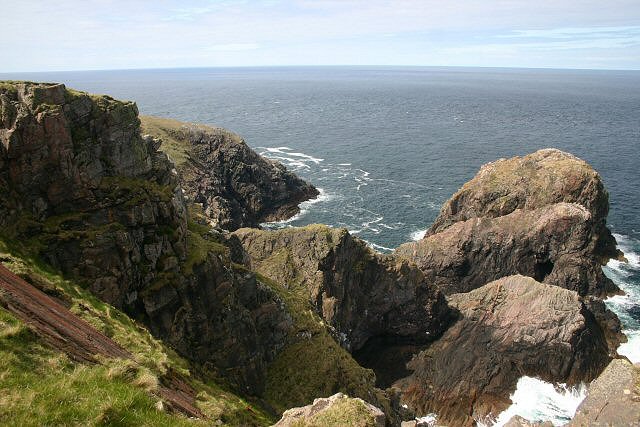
(134, 268)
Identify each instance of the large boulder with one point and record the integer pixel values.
(530, 182)
(358, 292)
(554, 244)
(511, 327)
(613, 399)
(236, 187)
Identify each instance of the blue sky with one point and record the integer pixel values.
(118, 34)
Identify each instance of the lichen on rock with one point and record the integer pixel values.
(236, 187)
(508, 328)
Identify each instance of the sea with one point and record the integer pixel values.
(387, 146)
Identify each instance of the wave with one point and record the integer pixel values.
(627, 276)
(377, 247)
(418, 235)
(323, 196)
(537, 400)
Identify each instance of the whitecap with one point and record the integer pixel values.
(537, 400)
(377, 247)
(625, 275)
(631, 348)
(429, 420)
(418, 235)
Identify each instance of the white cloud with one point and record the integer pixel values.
(234, 47)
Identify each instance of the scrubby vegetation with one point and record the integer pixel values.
(42, 386)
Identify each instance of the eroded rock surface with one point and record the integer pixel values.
(542, 178)
(84, 191)
(508, 328)
(357, 291)
(236, 186)
(335, 411)
(613, 399)
(554, 244)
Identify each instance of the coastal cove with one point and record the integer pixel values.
(382, 151)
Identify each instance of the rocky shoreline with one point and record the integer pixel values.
(151, 216)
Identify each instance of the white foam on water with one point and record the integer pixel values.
(429, 419)
(377, 247)
(537, 400)
(625, 275)
(418, 235)
(323, 196)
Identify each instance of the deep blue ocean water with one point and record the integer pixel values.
(389, 145)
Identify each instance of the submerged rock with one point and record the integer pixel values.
(236, 187)
(511, 327)
(613, 399)
(335, 411)
(554, 244)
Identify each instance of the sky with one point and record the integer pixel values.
(127, 34)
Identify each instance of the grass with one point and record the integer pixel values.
(200, 240)
(312, 364)
(41, 386)
(134, 190)
(175, 142)
(344, 412)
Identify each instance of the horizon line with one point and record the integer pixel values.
(318, 66)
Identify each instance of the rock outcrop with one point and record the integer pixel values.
(84, 191)
(542, 215)
(543, 178)
(613, 399)
(554, 244)
(335, 411)
(508, 328)
(236, 187)
(360, 293)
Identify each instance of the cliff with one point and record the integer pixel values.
(96, 200)
(358, 292)
(236, 187)
(518, 226)
(508, 328)
(613, 399)
(148, 219)
(554, 244)
(539, 179)
(87, 195)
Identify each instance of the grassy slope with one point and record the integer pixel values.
(173, 143)
(41, 386)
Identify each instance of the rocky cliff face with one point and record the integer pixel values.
(542, 215)
(360, 293)
(554, 244)
(543, 178)
(236, 187)
(86, 193)
(613, 399)
(508, 328)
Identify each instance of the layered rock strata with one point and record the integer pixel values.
(84, 191)
(357, 291)
(511, 327)
(554, 244)
(236, 187)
